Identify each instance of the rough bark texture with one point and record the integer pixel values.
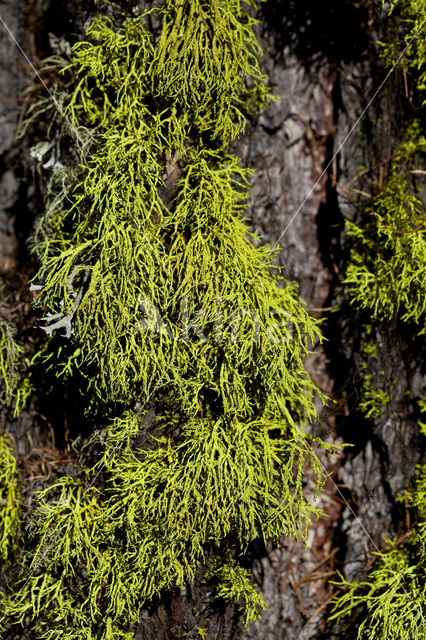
(323, 63)
(11, 86)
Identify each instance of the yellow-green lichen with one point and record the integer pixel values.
(156, 293)
(9, 499)
(15, 383)
(387, 269)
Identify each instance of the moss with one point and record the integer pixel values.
(374, 398)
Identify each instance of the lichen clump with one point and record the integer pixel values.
(157, 298)
(387, 269)
(391, 602)
(9, 499)
(386, 276)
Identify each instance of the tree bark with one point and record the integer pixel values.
(323, 63)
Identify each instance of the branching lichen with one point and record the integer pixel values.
(169, 304)
(387, 269)
(9, 499)
(391, 602)
(15, 381)
(386, 275)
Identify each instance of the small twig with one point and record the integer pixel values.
(407, 511)
(396, 231)
(381, 175)
(161, 608)
(404, 71)
(318, 609)
(307, 576)
(362, 193)
(299, 598)
(27, 506)
(334, 173)
(365, 171)
(323, 389)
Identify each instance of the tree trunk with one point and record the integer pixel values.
(310, 159)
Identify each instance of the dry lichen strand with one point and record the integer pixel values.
(229, 453)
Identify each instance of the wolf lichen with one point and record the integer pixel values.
(386, 276)
(376, 382)
(391, 602)
(392, 597)
(157, 295)
(10, 354)
(387, 269)
(15, 381)
(233, 583)
(9, 499)
(410, 28)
